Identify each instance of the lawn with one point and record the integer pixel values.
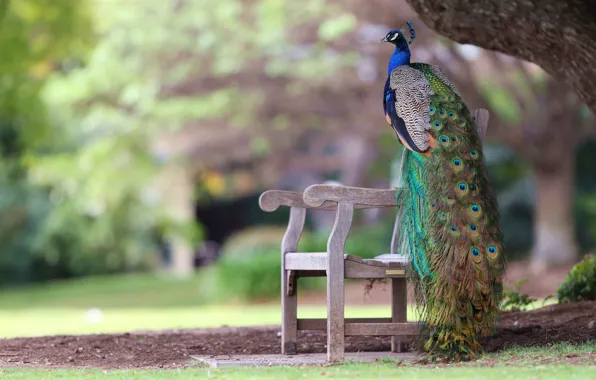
(109, 304)
(348, 371)
(58, 321)
(133, 290)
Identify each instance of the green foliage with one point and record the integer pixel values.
(365, 241)
(248, 276)
(511, 180)
(585, 196)
(22, 211)
(249, 266)
(79, 115)
(580, 283)
(500, 100)
(250, 263)
(36, 37)
(513, 299)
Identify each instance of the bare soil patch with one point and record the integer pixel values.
(574, 323)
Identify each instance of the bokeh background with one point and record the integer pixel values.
(137, 135)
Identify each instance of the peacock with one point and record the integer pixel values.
(450, 222)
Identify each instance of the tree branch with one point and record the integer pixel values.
(559, 36)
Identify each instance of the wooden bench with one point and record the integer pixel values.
(336, 265)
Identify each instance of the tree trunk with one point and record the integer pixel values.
(177, 189)
(554, 229)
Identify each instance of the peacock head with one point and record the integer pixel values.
(401, 38)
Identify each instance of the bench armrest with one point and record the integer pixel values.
(271, 200)
(317, 195)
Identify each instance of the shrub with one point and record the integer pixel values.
(249, 266)
(514, 299)
(580, 283)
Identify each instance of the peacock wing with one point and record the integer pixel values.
(411, 91)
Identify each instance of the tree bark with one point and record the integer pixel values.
(559, 36)
(554, 228)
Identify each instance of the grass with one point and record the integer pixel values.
(137, 302)
(37, 321)
(134, 302)
(133, 290)
(349, 371)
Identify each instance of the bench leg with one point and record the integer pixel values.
(335, 309)
(399, 310)
(289, 314)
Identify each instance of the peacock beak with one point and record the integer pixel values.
(384, 39)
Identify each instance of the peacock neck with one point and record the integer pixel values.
(400, 57)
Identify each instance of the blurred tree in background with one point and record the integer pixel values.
(95, 150)
(111, 112)
(36, 37)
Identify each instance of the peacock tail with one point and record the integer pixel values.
(450, 221)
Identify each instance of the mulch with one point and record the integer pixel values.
(574, 323)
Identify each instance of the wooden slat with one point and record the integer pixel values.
(364, 326)
(289, 300)
(321, 323)
(393, 259)
(291, 238)
(271, 200)
(399, 310)
(311, 273)
(356, 259)
(291, 281)
(374, 263)
(396, 265)
(361, 270)
(335, 282)
(317, 195)
(382, 329)
(306, 260)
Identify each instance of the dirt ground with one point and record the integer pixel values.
(171, 349)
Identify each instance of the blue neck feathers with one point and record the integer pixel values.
(400, 57)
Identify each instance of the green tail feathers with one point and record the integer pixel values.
(450, 227)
